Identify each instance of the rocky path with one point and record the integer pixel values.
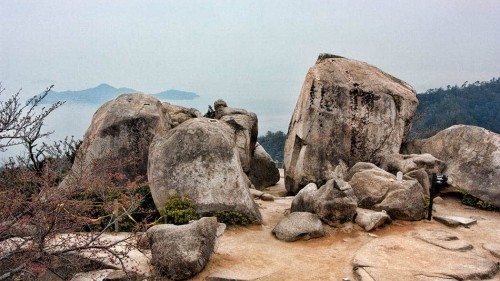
(394, 252)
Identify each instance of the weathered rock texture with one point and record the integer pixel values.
(472, 157)
(244, 125)
(119, 136)
(263, 171)
(199, 159)
(179, 114)
(397, 258)
(299, 225)
(334, 202)
(370, 220)
(407, 163)
(181, 251)
(379, 190)
(348, 111)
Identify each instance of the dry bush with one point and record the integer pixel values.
(46, 227)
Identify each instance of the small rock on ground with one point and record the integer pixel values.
(299, 225)
(370, 220)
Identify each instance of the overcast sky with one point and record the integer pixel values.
(242, 50)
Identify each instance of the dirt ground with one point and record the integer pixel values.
(249, 253)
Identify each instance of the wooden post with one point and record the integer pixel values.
(115, 215)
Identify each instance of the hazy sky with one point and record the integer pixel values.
(241, 50)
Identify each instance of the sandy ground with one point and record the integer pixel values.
(253, 252)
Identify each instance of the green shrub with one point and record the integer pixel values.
(210, 113)
(232, 218)
(179, 210)
(472, 201)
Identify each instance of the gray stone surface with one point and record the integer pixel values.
(179, 114)
(263, 171)
(347, 112)
(299, 225)
(454, 221)
(423, 178)
(358, 167)
(443, 239)
(378, 190)
(118, 138)
(245, 127)
(472, 157)
(370, 220)
(334, 202)
(199, 159)
(181, 251)
(396, 258)
(493, 248)
(96, 275)
(407, 163)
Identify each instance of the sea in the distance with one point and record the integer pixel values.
(73, 119)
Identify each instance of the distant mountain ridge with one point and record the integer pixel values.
(105, 92)
(475, 104)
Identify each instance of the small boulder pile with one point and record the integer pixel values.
(212, 161)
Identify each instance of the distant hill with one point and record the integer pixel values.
(105, 92)
(274, 144)
(475, 104)
(99, 94)
(176, 95)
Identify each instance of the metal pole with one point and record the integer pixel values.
(431, 199)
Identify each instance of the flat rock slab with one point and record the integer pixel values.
(443, 239)
(97, 275)
(455, 221)
(493, 248)
(369, 274)
(409, 258)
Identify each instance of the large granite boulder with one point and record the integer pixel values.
(299, 225)
(244, 125)
(179, 114)
(199, 159)
(182, 251)
(334, 202)
(379, 190)
(263, 171)
(118, 138)
(472, 157)
(347, 112)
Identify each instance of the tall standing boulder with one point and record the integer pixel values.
(119, 136)
(472, 157)
(199, 159)
(348, 111)
(263, 171)
(245, 127)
